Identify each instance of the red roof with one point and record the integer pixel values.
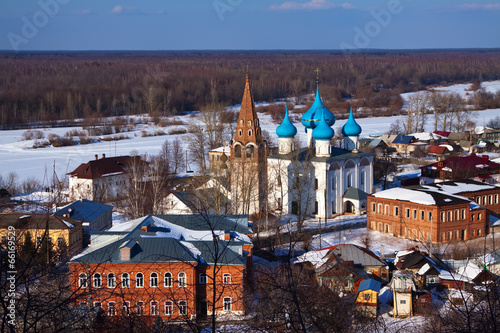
(442, 133)
(437, 149)
(472, 164)
(104, 166)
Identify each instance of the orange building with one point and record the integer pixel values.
(154, 266)
(425, 213)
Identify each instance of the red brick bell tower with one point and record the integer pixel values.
(249, 160)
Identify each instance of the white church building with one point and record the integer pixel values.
(319, 180)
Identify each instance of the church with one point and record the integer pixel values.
(318, 180)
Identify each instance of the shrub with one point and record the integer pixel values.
(159, 133)
(176, 131)
(144, 134)
(33, 135)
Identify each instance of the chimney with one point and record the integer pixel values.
(103, 155)
(485, 158)
(227, 235)
(96, 157)
(125, 253)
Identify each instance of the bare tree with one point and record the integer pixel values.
(417, 113)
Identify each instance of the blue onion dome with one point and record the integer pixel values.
(323, 131)
(311, 117)
(351, 127)
(286, 128)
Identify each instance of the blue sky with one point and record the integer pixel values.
(247, 24)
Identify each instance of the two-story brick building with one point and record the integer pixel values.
(165, 266)
(425, 213)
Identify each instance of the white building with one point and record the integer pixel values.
(314, 180)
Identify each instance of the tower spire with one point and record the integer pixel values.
(247, 126)
(317, 70)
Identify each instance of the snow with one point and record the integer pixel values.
(69, 225)
(407, 195)
(461, 89)
(317, 258)
(19, 156)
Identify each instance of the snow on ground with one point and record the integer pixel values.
(461, 89)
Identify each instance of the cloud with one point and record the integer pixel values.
(119, 9)
(479, 6)
(311, 5)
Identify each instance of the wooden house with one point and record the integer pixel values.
(367, 297)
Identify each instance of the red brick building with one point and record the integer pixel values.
(155, 267)
(425, 213)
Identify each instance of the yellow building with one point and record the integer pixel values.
(62, 233)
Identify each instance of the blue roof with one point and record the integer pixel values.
(369, 284)
(286, 129)
(84, 210)
(403, 139)
(323, 131)
(311, 117)
(351, 127)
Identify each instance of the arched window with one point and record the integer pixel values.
(226, 278)
(111, 309)
(139, 280)
(182, 279)
(125, 280)
(168, 280)
(111, 280)
(82, 280)
(349, 180)
(97, 280)
(153, 280)
(249, 132)
(227, 303)
(237, 151)
(169, 308)
(183, 308)
(154, 308)
(250, 150)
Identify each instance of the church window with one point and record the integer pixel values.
(237, 151)
(250, 133)
(241, 121)
(257, 122)
(362, 179)
(249, 123)
(333, 183)
(349, 180)
(315, 207)
(250, 150)
(240, 132)
(333, 207)
(316, 183)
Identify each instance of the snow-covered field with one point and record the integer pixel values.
(18, 156)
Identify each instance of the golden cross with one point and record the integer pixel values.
(247, 70)
(317, 74)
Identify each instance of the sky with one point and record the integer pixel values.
(248, 24)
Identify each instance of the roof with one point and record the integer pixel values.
(376, 143)
(104, 166)
(323, 131)
(247, 119)
(461, 186)
(421, 194)
(36, 221)
(369, 284)
(312, 116)
(309, 154)
(403, 139)
(388, 138)
(357, 254)
(355, 194)
(286, 129)
(236, 223)
(465, 164)
(442, 133)
(437, 150)
(351, 127)
(84, 210)
(198, 199)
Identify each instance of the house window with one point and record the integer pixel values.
(402, 301)
(463, 214)
(227, 303)
(473, 232)
(478, 232)
(97, 280)
(396, 211)
(386, 209)
(379, 207)
(450, 235)
(203, 278)
(153, 309)
(182, 308)
(443, 236)
(422, 215)
(373, 207)
(97, 305)
(126, 308)
(169, 308)
(407, 212)
(125, 280)
(168, 280)
(479, 216)
(450, 216)
(139, 280)
(429, 216)
(478, 200)
(153, 280)
(443, 214)
(367, 297)
(38, 241)
(60, 242)
(226, 278)
(82, 280)
(484, 200)
(496, 199)
(111, 280)
(472, 217)
(457, 216)
(111, 309)
(182, 280)
(140, 308)
(414, 214)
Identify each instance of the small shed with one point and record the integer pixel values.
(367, 297)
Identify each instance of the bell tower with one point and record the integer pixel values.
(248, 160)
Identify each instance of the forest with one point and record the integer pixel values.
(43, 88)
